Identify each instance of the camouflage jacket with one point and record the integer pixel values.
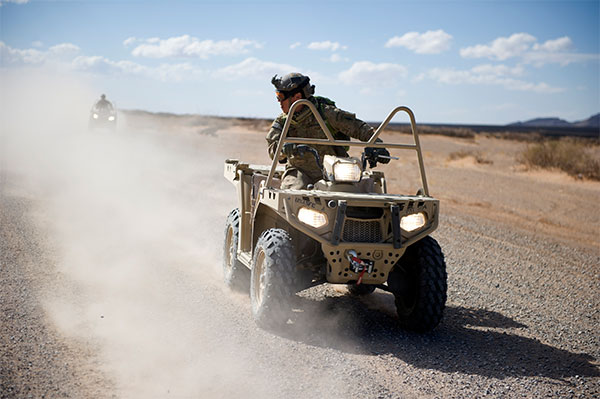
(304, 124)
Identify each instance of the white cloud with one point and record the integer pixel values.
(430, 42)
(18, 57)
(187, 46)
(13, 1)
(501, 48)
(326, 45)
(497, 70)
(539, 59)
(561, 44)
(499, 75)
(64, 49)
(15, 57)
(100, 65)
(164, 72)
(525, 46)
(255, 68)
(369, 74)
(295, 45)
(556, 52)
(37, 43)
(335, 57)
(65, 57)
(129, 41)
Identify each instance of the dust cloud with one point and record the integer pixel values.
(134, 223)
(135, 219)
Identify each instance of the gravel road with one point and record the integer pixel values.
(110, 287)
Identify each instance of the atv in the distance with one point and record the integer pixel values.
(344, 229)
(103, 118)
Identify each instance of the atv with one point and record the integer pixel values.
(102, 118)
(344, 229)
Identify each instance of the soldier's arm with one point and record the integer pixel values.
(274, 135)
(348, 123)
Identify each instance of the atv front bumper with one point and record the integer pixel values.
(372, 225)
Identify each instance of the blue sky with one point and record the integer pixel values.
(488, 62)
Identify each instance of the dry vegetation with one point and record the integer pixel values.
(576, 158)
(461, 132)
(477, 156)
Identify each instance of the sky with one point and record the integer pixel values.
(463, 62)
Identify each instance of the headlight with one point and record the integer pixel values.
(346, 172)
(412, 222)
(312, 218)
(95, 116)
(342, 170)
(111, 118)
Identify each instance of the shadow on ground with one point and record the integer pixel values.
(469, 341)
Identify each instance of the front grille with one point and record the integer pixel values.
(361, 231)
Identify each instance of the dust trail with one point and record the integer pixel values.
(136, 218)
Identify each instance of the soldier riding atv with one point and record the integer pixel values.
(103, 115)
(344, 228)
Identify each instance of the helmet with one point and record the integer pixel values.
(293, 83)
(103, 96)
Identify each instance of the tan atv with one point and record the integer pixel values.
(344, 229)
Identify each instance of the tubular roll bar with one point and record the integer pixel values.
(331, 141)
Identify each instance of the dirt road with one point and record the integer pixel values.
(111, 283)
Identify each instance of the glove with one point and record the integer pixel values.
(373, 156)
(299, 150)
(290, 149)
(293, 149)
(383, 155)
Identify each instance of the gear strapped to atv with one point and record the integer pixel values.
(344, 229)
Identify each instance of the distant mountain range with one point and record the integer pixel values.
(591, 122)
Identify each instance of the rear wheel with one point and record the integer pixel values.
(274, 278)
(235, 274)
(419, 284)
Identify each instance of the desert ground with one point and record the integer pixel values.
(111, 275)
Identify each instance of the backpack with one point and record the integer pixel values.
(341, 151)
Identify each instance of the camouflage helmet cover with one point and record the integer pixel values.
(293, 83)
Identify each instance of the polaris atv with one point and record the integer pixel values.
(102, 118)
(344, 229)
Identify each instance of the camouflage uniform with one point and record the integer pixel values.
(103, 103)
(303, 170)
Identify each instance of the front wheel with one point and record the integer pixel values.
(419, 284)
(274, 278)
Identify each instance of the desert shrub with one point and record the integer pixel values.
(572, 157)
(460, 132)
(479, 158)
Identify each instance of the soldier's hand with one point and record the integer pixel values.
(290, 149)
(383, 155)
(374, 155)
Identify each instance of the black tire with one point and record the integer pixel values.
(360, 290)
(235, 274)
(274, 278)
(419, 284)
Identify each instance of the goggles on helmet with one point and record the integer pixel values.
(281, 96)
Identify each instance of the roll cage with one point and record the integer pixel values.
(329, 140)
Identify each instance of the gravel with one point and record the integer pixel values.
(35, 360)
(156, 321)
